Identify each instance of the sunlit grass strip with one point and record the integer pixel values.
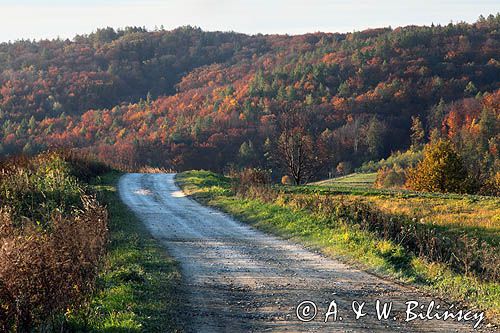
(139, 289)
(358, 247)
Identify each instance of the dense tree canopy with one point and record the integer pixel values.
(193, 99)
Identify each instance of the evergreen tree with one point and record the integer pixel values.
(343, 90)
(488, 125)
(436, 115)
(375, 134)
(247, 155)
(32, 123)
(470, 89)
(417, 133)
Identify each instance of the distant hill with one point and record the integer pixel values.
(192, 99)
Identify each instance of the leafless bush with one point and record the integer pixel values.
(43, 272)
(250, 179)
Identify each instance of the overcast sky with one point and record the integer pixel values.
(58, 18)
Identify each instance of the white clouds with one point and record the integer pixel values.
(31, 19)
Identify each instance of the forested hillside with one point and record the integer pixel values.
(192, 99)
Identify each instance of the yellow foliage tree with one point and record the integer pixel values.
(441, 170)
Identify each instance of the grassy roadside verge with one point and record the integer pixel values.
(138, 289)
(351, 244)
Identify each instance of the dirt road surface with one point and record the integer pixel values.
(238, 279)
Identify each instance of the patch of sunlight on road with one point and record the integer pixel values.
(178, 194)
(143, 191)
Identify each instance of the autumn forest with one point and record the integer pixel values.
(184, 180)
(191, 99)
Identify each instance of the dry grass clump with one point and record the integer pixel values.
(150, 169)
(52, 233)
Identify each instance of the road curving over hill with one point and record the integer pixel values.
(238, 279)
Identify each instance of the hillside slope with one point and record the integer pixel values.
(212, 99)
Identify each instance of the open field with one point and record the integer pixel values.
(476, 215)
(354, 180)
(354, 245)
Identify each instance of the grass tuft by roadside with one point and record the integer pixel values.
(139, 287)
(346, 241)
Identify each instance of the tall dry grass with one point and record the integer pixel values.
(53, 235)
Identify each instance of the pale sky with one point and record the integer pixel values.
(57, 18)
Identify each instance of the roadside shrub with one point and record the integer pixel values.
(53, 234)
(390, 178)
(34, 189)
(47, 272)
(403, 160)
(286, 180)
(492, 185)
(83, 165)
(247, 178)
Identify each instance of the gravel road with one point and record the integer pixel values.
(238, 279)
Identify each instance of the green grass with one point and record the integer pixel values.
(357, 247)
(354, 180)
(478, 216)
(138, 289)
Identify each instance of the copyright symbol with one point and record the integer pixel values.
(306, 311)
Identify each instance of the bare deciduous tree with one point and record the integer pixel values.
(297, 151)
